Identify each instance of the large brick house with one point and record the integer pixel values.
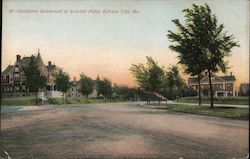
(13, 78)
(222, 85)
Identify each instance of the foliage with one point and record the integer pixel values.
(150, 77)
(124, 92)
(86, 85)
(104, 87)
(173, 84)
(201, 43)
(34, 80)
(62, 81)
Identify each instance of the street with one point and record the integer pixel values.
(124, 130)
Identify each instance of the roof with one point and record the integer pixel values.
(194, 80)
(39, 59)
(25, 61)
(7, 70)
(228, 78)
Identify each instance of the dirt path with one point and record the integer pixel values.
(119, 130)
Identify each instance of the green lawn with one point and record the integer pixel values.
(226, 112)
(59, 101)
(17, 101)
(217, 100)
(21, 101)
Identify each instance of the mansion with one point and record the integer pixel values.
(13, 78)
(222, 85)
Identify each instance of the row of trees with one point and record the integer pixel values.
(201, 44)
(154, 79)
(36, 81)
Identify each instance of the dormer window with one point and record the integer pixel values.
(212, 78)
(16, 69)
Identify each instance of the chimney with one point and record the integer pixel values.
(49, 63)
(18, 58)
(231, 73)
(74, 78)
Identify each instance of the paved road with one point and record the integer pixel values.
(119, 131)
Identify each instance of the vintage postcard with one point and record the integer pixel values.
(125, 79)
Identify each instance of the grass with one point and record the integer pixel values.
(59, 101)
(18, 101)
(27, 101)
(225, 112)
(217, 100)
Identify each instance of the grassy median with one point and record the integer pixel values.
(226, 112)
(217, 100)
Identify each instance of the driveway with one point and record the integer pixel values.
(125, 130)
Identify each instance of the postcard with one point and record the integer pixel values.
(124, 79)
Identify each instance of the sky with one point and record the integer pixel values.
(79, 37)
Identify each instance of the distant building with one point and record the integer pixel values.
(244, 89)
(74, 90)
(222, 85)
(13, 78)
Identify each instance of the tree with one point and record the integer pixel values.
(86, 86)
(124, 92)
(34, 79)
(148, 78)
(62, 82)
(201, 43)
(173, 84)
(104, 87)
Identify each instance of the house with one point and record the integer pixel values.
(13, 78)
(222, 85)
(74, 90)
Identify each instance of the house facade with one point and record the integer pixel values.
(222, 85)
(13, 78)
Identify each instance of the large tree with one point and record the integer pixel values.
(62, 82)
(201, 43)
(149, 77)
(104, 87)
(34, 79)
(86, 86)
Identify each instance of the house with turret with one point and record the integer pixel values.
(13, 77)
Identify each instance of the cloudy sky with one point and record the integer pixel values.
(79, 37)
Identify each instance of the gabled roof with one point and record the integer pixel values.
(7, 70)
(194, 80)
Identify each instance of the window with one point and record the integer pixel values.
(16, 69)
(212, 78)
(16, 76)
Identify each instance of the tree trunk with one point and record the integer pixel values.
(36, 98)
(199, 89)
(211, 90)
(63, 98)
